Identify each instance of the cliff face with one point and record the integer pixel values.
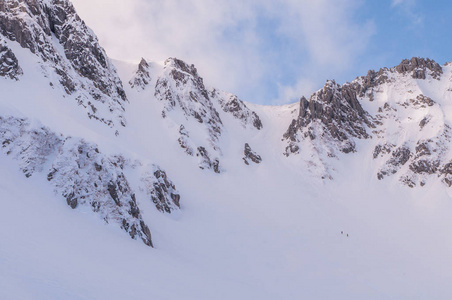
(71, 60)
(406, 126)
(333, 113)
(53, 31)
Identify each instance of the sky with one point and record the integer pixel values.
(273, 51)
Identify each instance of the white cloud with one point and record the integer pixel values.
(408, 8)
(398, 2)
(228, 40)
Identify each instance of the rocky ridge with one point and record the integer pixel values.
(142, 78)
(182, 92)
(84, 176)
(335, 116)
(82, 66)
(160, 189)
(180, 88)
(251, 155)
(231, 104)
(9, 66)
(332, 115)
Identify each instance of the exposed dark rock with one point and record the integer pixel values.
(78, 171)
(421, 101)
(408, 181)
(172, 88)
(336, 110)
(446, 172)
(400, 156)
(422, 148)
(424, 166)
(232, 104)
(250, 155)
(424, 122)
(424, 100)
(142, 77)
(206, 162)
(83, 68)
(9, 66)
(71, 200)
(382, 149)
(184, 141)
(420, 67)
(366, 83)
(161, 190)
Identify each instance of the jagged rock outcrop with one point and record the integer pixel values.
(184, 141)
(400, 156)
(30, 146)
(161, 190)
(333, 114)
(421, 101)
(420, 68)
(182, 87)
(423, 159)
(9, 66)
(187, 103)
(232, 104)
(365, 85)
(206, 162)
(421, 140)
(83, 69)
(334, 117)
(142, 76)
(250, 155)
(84, 176)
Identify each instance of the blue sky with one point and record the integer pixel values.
(410, 28)
(273, 51)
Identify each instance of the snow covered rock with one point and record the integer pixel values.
(161, 190)
(142, 77)
(84, 176)
(30, 146)
(9, 66)
(412, 133)
(198, 112)
(232, 104)
(182, 88)
(250, 155)
(420, 67)
(206, 162)
(333, 115)
(399, 157)
(70, 51)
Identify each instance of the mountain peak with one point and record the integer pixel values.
(142, 76)
(54, 32)
(419, 66)
(182, 66)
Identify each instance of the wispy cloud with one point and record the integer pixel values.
(409, 9)
(258, 49)
(397, 2)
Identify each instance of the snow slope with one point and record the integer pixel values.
(325, 221)
(234, 239)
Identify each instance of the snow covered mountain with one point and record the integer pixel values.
(393, 110)
(253, 200)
